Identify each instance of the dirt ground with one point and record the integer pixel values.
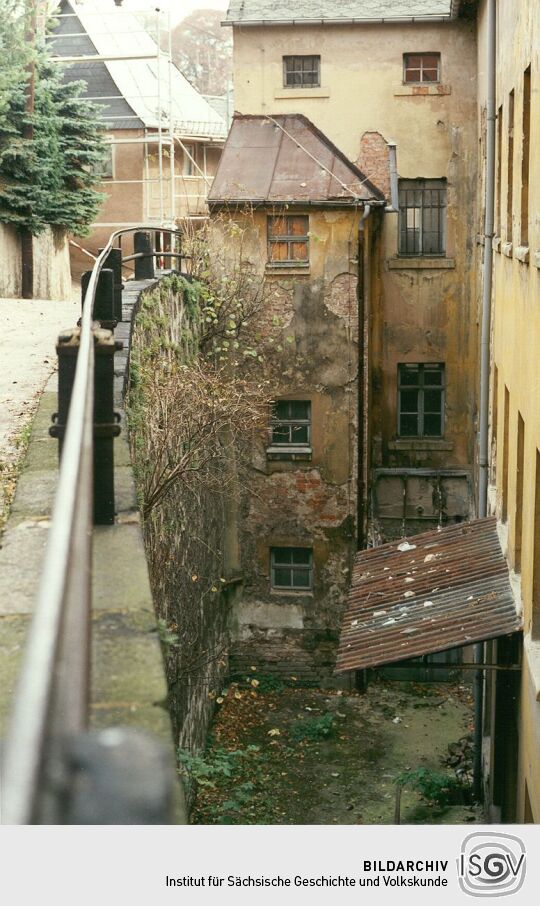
(306, 756)
(28, 333)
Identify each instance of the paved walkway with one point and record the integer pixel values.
(28, 331)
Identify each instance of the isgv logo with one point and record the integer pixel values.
(491, 865)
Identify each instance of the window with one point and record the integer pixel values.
(510, 169)
(420, 400)
(290, 424)
(422, 216)
(291, 567)
(188, 165)
(421, 67)
(525, 158)
(301, 72)
(288, 240)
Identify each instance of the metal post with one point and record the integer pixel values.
(106, 427)
(104, 299)
(144, 267)
(67, 349)
(114, 262)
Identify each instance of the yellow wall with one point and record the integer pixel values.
(516, 351)
(425, 310)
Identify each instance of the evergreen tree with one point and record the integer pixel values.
(47, 179)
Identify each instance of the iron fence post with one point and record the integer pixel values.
(67, 349)
(144, 267)
(104, 302)
(114, 262)
(106, 426)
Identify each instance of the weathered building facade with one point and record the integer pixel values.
(298, 203)
(512, 720)
(391, 417)
(368, 83)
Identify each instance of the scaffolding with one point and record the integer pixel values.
(141, 68)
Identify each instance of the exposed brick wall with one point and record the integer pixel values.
(373, 160)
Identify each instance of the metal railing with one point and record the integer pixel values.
(50, 713)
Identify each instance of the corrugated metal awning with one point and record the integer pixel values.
(438, 590)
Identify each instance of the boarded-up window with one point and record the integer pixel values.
(288, 240)
(421, 67)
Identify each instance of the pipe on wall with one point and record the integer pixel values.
(485, 363)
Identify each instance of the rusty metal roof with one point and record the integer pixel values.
(286, 159)
(431, 592)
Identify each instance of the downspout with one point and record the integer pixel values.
(487, 279)
(393, 207)
(361, 538)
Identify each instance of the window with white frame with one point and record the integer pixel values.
(188, 161)
(421, 400)
(291, 568)
(422, 217)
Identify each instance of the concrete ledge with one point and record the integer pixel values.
(522, 253)
(506, 249)
(423, 90)
(427, 444)
(409, 264)
(536, 258)
(496, 243)
(296, 93)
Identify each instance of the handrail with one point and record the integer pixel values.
(51, 700)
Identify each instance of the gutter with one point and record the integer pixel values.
(485, 363)
(394, 20)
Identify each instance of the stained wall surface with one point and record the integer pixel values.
(422, 309)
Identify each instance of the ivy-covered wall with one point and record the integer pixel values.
(184, 522)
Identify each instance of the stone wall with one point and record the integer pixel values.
(52, 274)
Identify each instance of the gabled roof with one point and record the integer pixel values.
(435, 591)
(251, 12)
(286, 159)
(100, 28)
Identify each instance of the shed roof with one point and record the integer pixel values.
(100, 28)
(439, 590)
(250, 12)
(286, 159)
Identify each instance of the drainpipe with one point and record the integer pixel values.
(485, 359)
(362, 308)
(393, 207)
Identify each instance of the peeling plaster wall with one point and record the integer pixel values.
(418, 313)
(310, 503)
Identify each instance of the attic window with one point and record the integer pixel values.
(421, 67)
(301, 72)
(288, 240)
